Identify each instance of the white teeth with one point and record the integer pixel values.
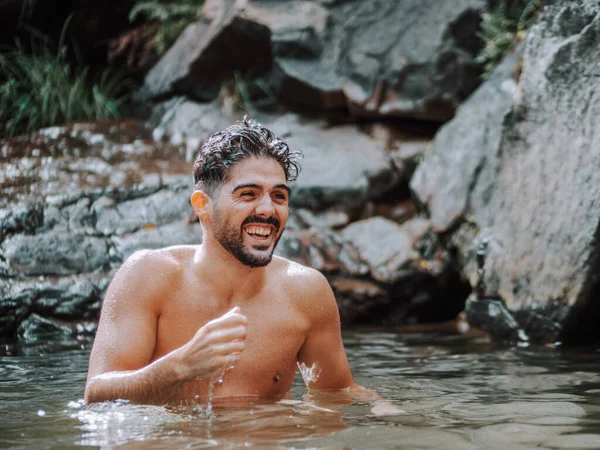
(259, 230)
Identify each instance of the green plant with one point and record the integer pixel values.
(42, 89)
(173, 16)
(502, 28)
(247, 91)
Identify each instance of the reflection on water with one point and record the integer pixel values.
(458, 392)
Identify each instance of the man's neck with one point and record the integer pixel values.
(225, 272)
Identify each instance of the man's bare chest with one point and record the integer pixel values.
(276, 332)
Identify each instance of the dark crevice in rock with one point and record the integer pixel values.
(581, 325)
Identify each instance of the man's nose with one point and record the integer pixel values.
(265, 206)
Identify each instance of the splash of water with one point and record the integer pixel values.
(211, 392)
(310, 374)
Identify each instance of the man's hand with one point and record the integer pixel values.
(214, 348)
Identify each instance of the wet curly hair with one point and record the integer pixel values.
(245, 139)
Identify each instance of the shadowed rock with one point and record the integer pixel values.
(207, 52)
(382, 272)
(379, 58)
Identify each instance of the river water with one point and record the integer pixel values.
(457, 391)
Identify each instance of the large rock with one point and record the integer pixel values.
(529, 185)
(341, 169)
(55, 253)
(378, 58)
(67, 299)
(458, 169)
(207, 52)
(387, 248)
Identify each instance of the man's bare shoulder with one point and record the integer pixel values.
(300, 278)
(309, 290)
(167, 261)
(150, 273)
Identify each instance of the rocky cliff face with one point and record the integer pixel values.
(518, 168)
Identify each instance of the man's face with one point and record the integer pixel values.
(251, 210)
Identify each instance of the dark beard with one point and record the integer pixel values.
(232, 241)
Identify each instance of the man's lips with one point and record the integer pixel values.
(258, 221)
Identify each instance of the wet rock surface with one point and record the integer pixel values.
(75, 202)
(525, 179)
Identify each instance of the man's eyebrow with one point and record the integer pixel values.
(256, 186)
(246, 185)
(282, 186)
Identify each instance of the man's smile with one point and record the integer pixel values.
(259, 228)
(260, 232)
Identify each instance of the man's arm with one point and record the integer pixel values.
(322, 359)
(120, 362)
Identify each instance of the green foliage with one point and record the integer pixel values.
(43, 89)
(502, 28)
(173, 16)
(247, 92)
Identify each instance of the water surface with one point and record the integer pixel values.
(459, 392)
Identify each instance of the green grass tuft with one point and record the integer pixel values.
(173, 17)
(43, 89)
(502, 28)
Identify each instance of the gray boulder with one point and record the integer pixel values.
(207, 52)
(387, 248)
(459, 168)
(70, 300)
(378, 58)
(529, 185)
(55, 253)
(342, 168)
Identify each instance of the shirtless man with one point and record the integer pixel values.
(177, 319)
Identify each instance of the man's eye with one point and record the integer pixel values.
(247, 194)
(281, 197)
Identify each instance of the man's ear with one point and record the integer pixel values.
(199, 201)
